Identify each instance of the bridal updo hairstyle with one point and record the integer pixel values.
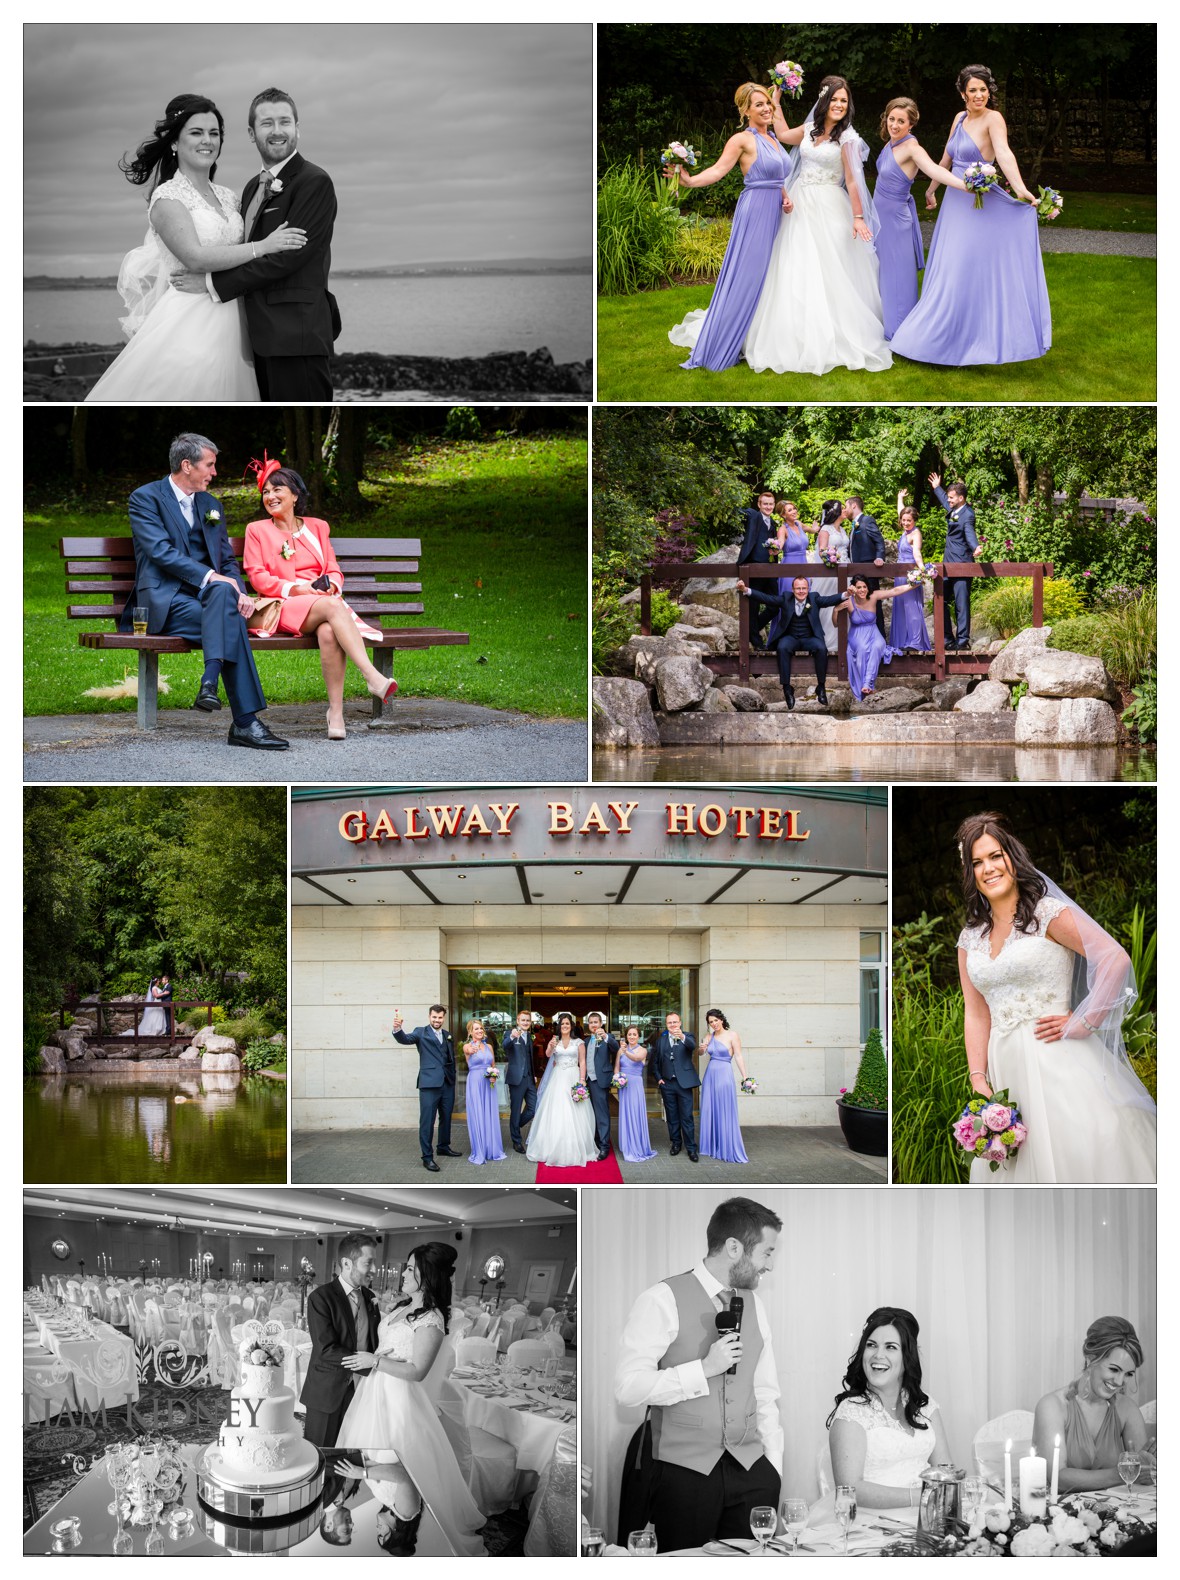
(856, 1382)
(901, 103)
(563, 1017)
(288, 477)
(1030, 886)
(155, 160)
(434, 1263)
(743, 96)
(984, 76)
(826, 89)
(1102, 1336)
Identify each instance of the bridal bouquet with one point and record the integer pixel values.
(578, 1092)
(749, 1086)
(920, 574)
(492, 1074)
(1049, 204)
(679, 154)
(618, 1082)
(980, 178)
(788, 75)
(991, 1128)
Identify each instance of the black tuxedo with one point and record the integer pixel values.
(866, 544)
(328, 1386)
(291, 315)
(678, 1079)
(755, 550)
(793, 633)
(437, 1075)
(961, 544)
(522, 1084)
(602, 1062)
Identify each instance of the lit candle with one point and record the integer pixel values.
(1056, 1464)
(1008, 1474)
(1033, 1502)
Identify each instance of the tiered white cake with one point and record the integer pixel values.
(260, 1442)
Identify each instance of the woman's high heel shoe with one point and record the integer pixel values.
(386, 690)
(338, 734)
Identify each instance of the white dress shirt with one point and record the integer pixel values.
(650, 1329)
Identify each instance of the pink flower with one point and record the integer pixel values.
(964, 1130)
(997, 1150)
(996, 1117)
(1087, 573)
(1021, 1133)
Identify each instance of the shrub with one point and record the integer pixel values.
(263, 1055)
(246, 1029)
(39, 1026)
(675, 539)
(929, 1081)
(637, 230)
(1140, 715)
(462, 423)
(1007, 604)
(665, 611)
(1123, 638)
(871, 1089)
(1122, 552)
(699, 249)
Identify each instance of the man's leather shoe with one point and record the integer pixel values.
(790, 696)
(448, 1152)
(693, 1157)
(603, 1154)
(518, 1146)
(207, 699)
(673, 1151)
(258, 736)
(429, 1163)
(821, 697)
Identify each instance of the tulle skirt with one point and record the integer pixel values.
(562, 1131)
(188, 348)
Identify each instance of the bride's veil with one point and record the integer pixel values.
(143, 279)
(860, 151)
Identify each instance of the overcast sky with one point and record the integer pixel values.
(443, 142)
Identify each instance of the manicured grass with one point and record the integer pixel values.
(503, 529)
(1108, 211)
(1104, 349)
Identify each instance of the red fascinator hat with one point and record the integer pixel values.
(262, 470)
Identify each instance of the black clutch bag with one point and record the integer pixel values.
(322, 584)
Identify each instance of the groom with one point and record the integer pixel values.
(436, 1082)
(189, 582)
(291, 315)
(522, 1084)
(342, 1318)
(601, 1049)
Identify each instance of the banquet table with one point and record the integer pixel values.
(103, 1366)
(520, 1416)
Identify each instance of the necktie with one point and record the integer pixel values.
(265, 182)
(186, 507)
(724, 1296)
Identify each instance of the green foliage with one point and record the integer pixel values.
(462, 423)
(1017, 693)
(916, 948)
(929, 1080)
(1140, 715)
(637, 230)
(871, 1088)
(39, 1026)
(699, 250)
(263, 1055)
(665, 611)
(1092, 552)
(1141, 947)
(1123, 638)
(1007, 603)
(245, 1028)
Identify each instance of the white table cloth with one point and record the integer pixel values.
(532, 1433)
(103, 1367)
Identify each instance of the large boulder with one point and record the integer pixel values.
(1009, 664)
(716, 701)
(681, 683)
(669, 647)
(221, 1060)
(190, 1054)
(703, 618)
(1062, 674)
(208, 1035)
(71, 1041)
(744, 698)
(895, 699)
(621, 660)
(53, 1061)
(622, 714)
(945, 693)
(706, 638)
(988, 697)
(1066, 721)
(714, 592)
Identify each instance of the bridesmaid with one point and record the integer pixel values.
(1096, 1415)
(899, 240)
(721, 1135)
(907, 631)
(716, 334)
(984, 298)
(634, 1140)
(793, 541)
(483, 1113)
(867, 648)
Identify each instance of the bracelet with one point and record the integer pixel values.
(253, 250)
(1088, 1026)
(974, 1074)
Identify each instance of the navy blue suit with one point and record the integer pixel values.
(171, 562)
(961, 543)
(866, 544)
(603, 1063)
(678, 1079)
(755, 550)
(787, 642)
(436, 1084)
(522, 1085)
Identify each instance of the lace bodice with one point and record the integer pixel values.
(213, 229)
(838, 540)
(1030, 976)
(821, 164)
(566, 1058)
(894, 1455)
(395, 1336)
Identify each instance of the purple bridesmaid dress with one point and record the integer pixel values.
(984, 298)
(718, 333)
(794, 548)
(899, 240)
(908, 628)
(867, 650)
(634, 1139)
(721, 1135)
(483, 1111)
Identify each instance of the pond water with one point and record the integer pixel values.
(115, 1127)
(873, 764)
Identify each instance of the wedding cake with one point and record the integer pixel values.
(260, 1444)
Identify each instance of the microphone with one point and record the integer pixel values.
(731, 1322)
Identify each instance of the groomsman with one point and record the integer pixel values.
(437, 1074)
(705, 1371)
(522, 1084)
(601, 1049)
(865, 543)
(796, 629)
(961, 544)
(755, 550)
(677, 1079)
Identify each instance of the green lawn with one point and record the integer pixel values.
(1104, 349)
(1109, 211)
(503, 529)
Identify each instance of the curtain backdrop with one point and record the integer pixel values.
(1003, 1283)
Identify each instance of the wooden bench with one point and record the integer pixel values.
(103, 569)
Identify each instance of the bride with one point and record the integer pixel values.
(392, 1418)
(1045, 993)
(154, 1020)
(820, 306)
(562, 1131)
(185, 346)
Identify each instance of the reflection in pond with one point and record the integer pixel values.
(873, 764)
(115, 1126)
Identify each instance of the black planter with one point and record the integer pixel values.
(866, 1130)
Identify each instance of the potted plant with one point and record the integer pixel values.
(864, 1111)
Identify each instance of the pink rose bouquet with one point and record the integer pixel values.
(991, 1128)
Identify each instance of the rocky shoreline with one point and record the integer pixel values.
(69, 372)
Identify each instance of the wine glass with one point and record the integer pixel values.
(642, 1544)
(763, 1521)
(794, 1513)
(1129, 1466)
(973, 1489)
(845, 1510)
(117, 1470)
(593, 1543)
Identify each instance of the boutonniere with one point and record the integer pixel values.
(213, 515)
(276, 185)
(288, 549)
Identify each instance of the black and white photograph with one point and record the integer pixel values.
(901, 1372)
(301, 1373)
(361, 211)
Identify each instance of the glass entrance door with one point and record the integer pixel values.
(489, 995)
(652, 993)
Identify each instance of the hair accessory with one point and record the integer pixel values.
(262, 470)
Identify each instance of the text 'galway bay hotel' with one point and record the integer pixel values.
(768, 904)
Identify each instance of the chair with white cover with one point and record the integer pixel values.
(153, 1321)
(988, 1446)
(475, 1351)
(74, 1292)
(553, 1513)
(1147, 1411)
(547, 1316)
(486, 1462)
(480, 1326)
(460, 1324)
(193, 1333)
(532, 1327)
(824, 1474)
(49, 1384)
(224, 1365)
(529, 1354)
(248, 1304)
(261, 1307)
(116, 1308)
(137, 1313)
(554, 1340)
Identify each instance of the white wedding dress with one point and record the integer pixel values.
(895, 1455)
(562, 1131)
(395, 1420)
(1089, 1119)
(820, 306)
(153, 1022)
(837, 540)
(184, 346)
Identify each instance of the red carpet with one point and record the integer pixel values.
(604, 1173)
